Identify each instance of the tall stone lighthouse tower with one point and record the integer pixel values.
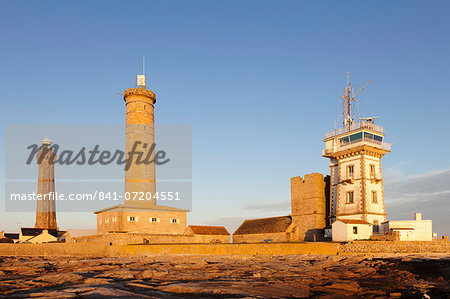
(355, 153)
(46, 207)
(140, 137)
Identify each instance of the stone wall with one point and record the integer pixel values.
(355, 247)
(313, 248)
(395, 236)
(102, 250)
(125, 238)
(258, 238)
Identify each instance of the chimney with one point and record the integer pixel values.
(417, 216)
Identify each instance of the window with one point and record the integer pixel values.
(374, 197)
(154, 220)
(373, 138)
(350, 197)
(377, 139)
(107, 220)
(372, 171)
(356, 137)
(355, 230)
(350, 172)
(376, 226)
(344, 141)
(174, 220)
(132, 219)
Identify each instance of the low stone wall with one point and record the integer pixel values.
(314, 248)
(258, 238)
(394, 237)
(355, 247)
(101, 250)
(232, 249)
(55, 249)
(126, 238)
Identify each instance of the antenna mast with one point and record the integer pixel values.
(348, 97)
(141, 78)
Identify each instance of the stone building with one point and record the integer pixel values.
(208, 234)
(154, 219)
(136, 216)
(274, 229)
(309, 207)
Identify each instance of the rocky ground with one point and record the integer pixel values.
(226, 276)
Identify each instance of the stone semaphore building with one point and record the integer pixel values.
(144, 221)
(140, 216)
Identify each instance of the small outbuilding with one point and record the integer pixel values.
(39, 235)
(410, 230)
(345, 230)
(208, 234)
(8, 238)
(274, 229)
(12, 236)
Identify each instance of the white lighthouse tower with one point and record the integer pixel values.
(355, 151)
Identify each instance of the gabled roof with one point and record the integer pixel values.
(31, 231)
(264, 225)
(12, 236)
(208, 230)
(354, 221)
(143, 208)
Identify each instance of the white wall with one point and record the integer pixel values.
(342, 232)
(423, 229)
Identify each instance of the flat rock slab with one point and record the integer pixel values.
(176, 276)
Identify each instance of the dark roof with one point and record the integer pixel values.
(402, 228)
(208, 230)
(354, 221)
(31, 231)
(12, 236)
(264, 225)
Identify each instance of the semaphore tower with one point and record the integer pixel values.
(140, 213)
(140, 136)
(355, 151)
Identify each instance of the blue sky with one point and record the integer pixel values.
(258, 80)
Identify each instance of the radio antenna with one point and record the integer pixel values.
(348, 97)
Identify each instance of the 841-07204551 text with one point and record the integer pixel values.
(98, 195)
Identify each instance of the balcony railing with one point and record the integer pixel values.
(379, 144)
(362, 124)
